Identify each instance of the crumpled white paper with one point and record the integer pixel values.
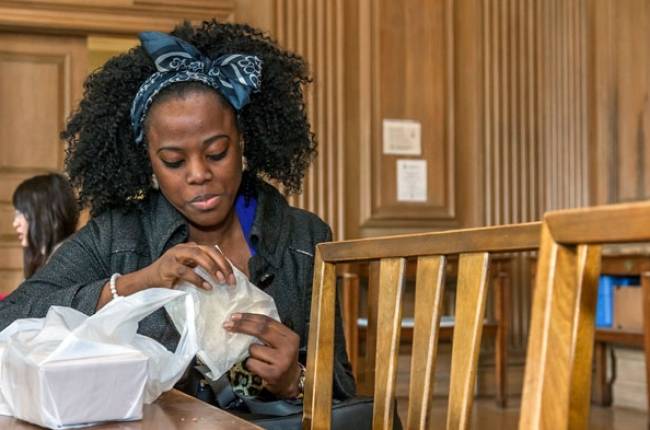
(71, 370)
(218, 348)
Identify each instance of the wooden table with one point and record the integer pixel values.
(173, 410)
(623, 261)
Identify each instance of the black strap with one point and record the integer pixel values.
(275, 408)
(224, 395)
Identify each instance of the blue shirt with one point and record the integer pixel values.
(245, 208)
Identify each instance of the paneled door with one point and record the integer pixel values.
(41, 79)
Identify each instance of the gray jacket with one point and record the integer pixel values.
(284, 238)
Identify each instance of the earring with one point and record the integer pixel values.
(154, 182)
(243, 157)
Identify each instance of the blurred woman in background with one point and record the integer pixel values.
(46, 214)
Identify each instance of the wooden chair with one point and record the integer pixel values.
(474, 247)
(357, 329)
(557, 380)
(558, 372)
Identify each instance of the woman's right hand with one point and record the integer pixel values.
(178, 263)
(174, 266)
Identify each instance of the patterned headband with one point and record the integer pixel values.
(234, 76)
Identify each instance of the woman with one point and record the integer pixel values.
(167, 148)
(46, 214)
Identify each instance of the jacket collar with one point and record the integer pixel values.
(167, 227)
(270, 230)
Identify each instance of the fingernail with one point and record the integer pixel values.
(207, 286)
(231, 279)
(221, 278)
(228, 325)
(235, 317)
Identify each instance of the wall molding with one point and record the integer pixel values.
(376, 211)
(108, 17)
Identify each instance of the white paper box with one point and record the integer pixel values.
(77, 392)
(71, 370)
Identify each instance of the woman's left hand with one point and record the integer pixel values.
(276, 362)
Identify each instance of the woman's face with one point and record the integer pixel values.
(21, 226)
(196, 155)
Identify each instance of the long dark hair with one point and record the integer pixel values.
(50, 207)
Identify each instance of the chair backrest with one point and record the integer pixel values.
(474, 247)
(558, 364)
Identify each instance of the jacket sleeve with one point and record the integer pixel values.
(73, 277)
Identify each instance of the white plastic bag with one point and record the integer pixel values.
(70, 370)
(218, 348)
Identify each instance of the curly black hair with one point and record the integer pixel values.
(111, 171)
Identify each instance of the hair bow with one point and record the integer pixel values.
(234, 76)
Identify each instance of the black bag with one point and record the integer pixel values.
(350, 414)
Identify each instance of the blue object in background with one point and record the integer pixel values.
(605, 304)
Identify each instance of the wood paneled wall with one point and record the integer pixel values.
(565, 111)
(529, 105)
(407, 80)
(315, 30)
(402, 63)
(621, 87)
(501, 88)
(40, 83)
(534, 108)
(533, 130)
